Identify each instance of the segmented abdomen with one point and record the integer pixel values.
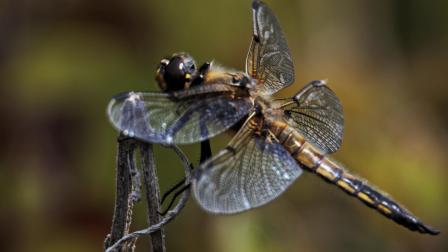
(314, 160)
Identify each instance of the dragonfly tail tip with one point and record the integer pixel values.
(428, 230)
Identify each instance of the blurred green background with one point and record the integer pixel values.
(61, 61)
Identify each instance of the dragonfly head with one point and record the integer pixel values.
(175, 73)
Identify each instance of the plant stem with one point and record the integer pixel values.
(166, 218)
(152, 195)
(123, 203)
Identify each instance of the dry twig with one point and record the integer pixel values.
(119, 237)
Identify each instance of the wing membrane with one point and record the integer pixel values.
(250, 172)
(269, 59)
(180, 117)
(317, 113)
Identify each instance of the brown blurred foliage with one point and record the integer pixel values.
(61, 61)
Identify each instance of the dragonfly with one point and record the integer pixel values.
(278, 140)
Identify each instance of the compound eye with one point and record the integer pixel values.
(175, 67)
(189, 65)
(164, 62)
(160, 73)
(190, 70)
(174, 74)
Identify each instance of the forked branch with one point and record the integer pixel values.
(119, 239)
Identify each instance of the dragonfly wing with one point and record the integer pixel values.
(250, 172)
(317, 113)
(180, 117)
(269, 59)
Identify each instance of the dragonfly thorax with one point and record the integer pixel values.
(266, 107)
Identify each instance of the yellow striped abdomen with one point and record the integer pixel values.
(314, 160)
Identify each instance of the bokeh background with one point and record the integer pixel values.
(61, 61)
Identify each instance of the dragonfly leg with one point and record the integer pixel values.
(199, 79)
(172, 189)
(179, 192)
(206, 151)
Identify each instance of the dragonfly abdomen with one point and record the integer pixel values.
(314, 160)
(333, 172)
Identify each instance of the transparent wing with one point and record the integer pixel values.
(269, 59)
(250, 172)
(317, 113)
(180, 117)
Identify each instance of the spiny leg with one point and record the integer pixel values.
(206, 153)
(181, 190)
(172, 189)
